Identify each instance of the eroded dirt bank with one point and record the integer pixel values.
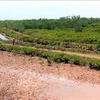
(30, 78)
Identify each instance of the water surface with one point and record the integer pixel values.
(3, 37)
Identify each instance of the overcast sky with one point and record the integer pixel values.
(48, 9)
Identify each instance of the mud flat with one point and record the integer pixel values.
(30, 78)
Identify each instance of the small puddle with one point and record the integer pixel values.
(3, 37)
(60, 87)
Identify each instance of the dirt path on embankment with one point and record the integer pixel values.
(30, 78)
(66, 52)
(79, 54)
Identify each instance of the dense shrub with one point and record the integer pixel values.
(53, 56)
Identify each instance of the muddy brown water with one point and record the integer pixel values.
(58, 87)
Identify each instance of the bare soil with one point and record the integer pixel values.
(17, 83)
(37, 64)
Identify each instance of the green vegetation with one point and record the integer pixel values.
(74, 22)
(66, 33)
(57, 39)
(53, 56)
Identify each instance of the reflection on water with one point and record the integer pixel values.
(3, 37)
(60, 87)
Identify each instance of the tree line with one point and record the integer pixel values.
(76, 23)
